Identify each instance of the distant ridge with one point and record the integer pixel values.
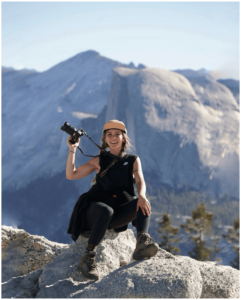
(23, 71)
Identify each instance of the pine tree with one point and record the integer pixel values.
(216, 250)
(197, 227)
(233, 237)
(168, 238)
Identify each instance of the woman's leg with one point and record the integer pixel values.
(126, 213)
(98, 217)
(145, 245)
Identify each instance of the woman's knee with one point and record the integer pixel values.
(106, 211)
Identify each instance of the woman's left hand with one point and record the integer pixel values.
(144, 204)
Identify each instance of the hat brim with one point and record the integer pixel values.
(113, 125)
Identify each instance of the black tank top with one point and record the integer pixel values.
(118, 177)
(117, 181)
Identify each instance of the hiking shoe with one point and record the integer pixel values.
(89, 266)
(145, 246)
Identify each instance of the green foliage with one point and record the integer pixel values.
(236, 224)
(168, 235)
(183, 202)
(201, 215)
(196, 228)
(216, 250)
(199, 252)
(233, 237)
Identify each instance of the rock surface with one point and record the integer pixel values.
(25, 286)
(233, 85)
(151, 278)
(218, 281)
(163, 276)
(63, 271)
(23, 253)
(186, 129)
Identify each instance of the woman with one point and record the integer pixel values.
(111, 202)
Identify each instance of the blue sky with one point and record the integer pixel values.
(166, 35)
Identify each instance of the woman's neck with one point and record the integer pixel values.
(116, 152)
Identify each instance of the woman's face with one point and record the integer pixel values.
(114, 138)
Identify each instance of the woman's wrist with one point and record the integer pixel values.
(142, 195)
(71, 151)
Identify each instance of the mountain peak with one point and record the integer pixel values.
(88, 54)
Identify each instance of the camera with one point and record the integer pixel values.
(71, 130)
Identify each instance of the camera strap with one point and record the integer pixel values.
(92, 142)
(86, 154)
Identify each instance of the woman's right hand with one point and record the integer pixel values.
(72, 146)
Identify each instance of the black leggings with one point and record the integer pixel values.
(101, 216)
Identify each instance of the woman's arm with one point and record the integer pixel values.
(143, 203)
(82, 171)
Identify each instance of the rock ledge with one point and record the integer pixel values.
(33, 267)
